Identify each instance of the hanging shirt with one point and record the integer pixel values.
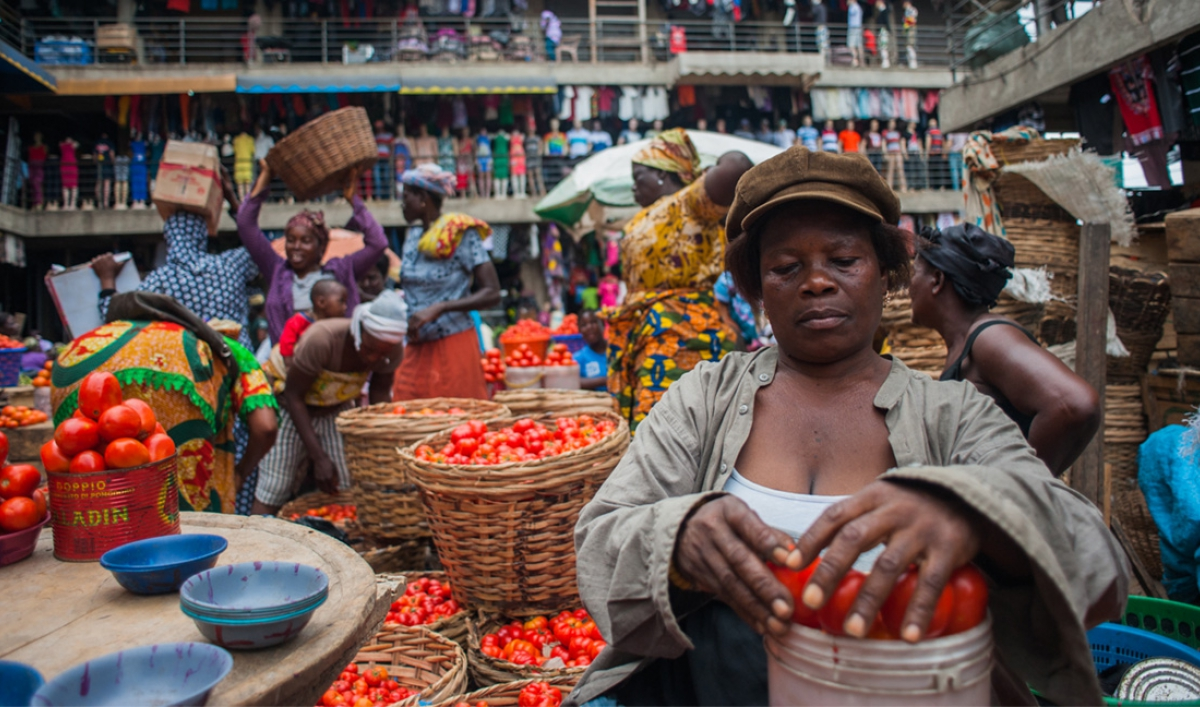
(854, 15)
(600, 140)
(829, 141)
(583, 102)
(566, 97)
(262, 145)
(808, 136)
(936, 141)
(629, 105)
(243, 148)
(630, 135)
(910, 17)
(850, 140)
(1131, 83)
(874, 142)
(579, 142)
(556, 144)
(893, 141)
(914, 144)
(383, 145)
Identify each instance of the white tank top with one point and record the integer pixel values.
(792, 513)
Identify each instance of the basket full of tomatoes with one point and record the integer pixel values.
(502, 498)
(401, 665)
(23, 508)
(388, 506)
(112, 473)
(428, 601)
(545, 692)
(528, 332)
(561, 645)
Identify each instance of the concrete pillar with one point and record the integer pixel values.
(1041, 9)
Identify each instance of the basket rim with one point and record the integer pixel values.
(475, 633)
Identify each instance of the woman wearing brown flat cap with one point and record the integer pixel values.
(820, 444)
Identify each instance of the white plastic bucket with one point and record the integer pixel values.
(810, 667)
(565, 377)
(524, 378)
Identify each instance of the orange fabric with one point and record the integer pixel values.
(687, 95)
(448, 367)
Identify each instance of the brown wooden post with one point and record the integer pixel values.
(592, 30)
(1091, 363)
(642, 38)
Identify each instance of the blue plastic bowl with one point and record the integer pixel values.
(18, 682)
(161, 674)
(1113, 643)
(254, 587)
(161, 565)
(245, 634)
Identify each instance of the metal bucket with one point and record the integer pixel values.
(95, 512)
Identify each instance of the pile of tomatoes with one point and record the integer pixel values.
(373, 687)
(473, 444)
(20, 416)
(560, 355)
(23, 503)
(427, 412)
(961, 606)
(539, 694)
(424, 602)
(525, 330)
(106, 432)
(334, 512)
(42, 379)
(493, 366)
(572, 637)
(523, 357)
(569, 326)
(7, 342)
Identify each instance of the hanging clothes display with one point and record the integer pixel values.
(687, 96)
(566, 110)
(583, 102)
(629, 105)
(1131, 83)
(606, 99)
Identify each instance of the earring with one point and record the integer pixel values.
(660, 181)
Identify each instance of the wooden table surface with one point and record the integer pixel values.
(58, 614)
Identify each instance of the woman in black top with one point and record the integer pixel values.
(958, 276)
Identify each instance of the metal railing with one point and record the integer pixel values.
(978, 32)
(356, 41)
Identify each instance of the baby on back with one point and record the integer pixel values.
(328, 302)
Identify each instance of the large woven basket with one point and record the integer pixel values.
(1008, 152)
(383, 557)
(452, 627)
(505, 533)
(486, 670)
(553, 402)
(301, 505)
(419, 660)
(1140, 303)
(1124, 431)
(389, 507)
(506, 694)
(321, 156)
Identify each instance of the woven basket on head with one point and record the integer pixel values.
(452, 627)
(1008, 152)
(554, 402)
(389, 506)
(486, 670)
(322, 155)
(506, 694)
(505, 533)
(1140, 303)
(420, 660)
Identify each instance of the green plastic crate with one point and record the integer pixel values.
(1170, 619)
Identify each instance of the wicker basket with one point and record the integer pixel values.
(1124, 431)
(1140, 303)
(389, 507)
(1010, 151)
(419, 660)
(321, 156)
(505, 533)
(302, 504)
(486, 670)
(451, 627)
(506, 694)
(553, 402)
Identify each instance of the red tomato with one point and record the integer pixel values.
(539, 694)
(76, 435)
(126, 453)
(795, 582)
(3, 448)
(970, 599)
(19, 480)
(98, 392)
(332, 698)
(895, 606)
(85, 461)
(42, 498)
(119, 421)
(160, 446)
(832, 616)
(18, 514)
(53, 459)
(146, 413)
(375, 676)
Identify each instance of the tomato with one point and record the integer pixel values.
(332, 698)
(76, 435)
(119, 421)
(539, 694)
(41, 497)
(18, 514)
(98, 392)
(832, 616)
(3, 448)
(970, 599)
(126, 453)
(85, 461)
(375, 676)
(53, 459)
(895, 606)
(795, 582)
(146, 413)
(19, 480)
(364, 701)
(160, 446)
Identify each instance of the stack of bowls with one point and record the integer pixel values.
(253, 604)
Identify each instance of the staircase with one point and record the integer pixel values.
(618, 30)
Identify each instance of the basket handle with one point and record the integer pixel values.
(537, 379)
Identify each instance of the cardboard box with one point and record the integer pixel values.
(189, 179)
(116, 36)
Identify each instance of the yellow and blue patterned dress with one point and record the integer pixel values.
(671, 255)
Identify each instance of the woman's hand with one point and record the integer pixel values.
(263, 185)
(325, 473)
(420, 319)
(351, 187)
(106, 268)
(919, 525)
(228, 190)
(721, 549)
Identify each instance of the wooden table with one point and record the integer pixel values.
(58, 614)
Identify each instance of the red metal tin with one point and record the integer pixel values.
(93, 513)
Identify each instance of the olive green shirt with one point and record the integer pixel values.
(942, 433)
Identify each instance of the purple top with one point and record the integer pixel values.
(279, 275)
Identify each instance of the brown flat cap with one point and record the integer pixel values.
(798, 174)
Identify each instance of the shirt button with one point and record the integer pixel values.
(764, 377)
(743, 409)
(724, 466)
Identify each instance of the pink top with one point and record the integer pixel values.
(68, 152)
(610, 291)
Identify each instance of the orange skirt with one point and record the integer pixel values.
(446, 368)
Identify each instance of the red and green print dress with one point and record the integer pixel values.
(193, 394)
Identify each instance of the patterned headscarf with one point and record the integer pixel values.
(313, 221)
(671, 151)
(431, 178)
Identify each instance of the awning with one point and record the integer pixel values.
(19, 74)
(299, 83)
(146, 85)
(482, 85)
